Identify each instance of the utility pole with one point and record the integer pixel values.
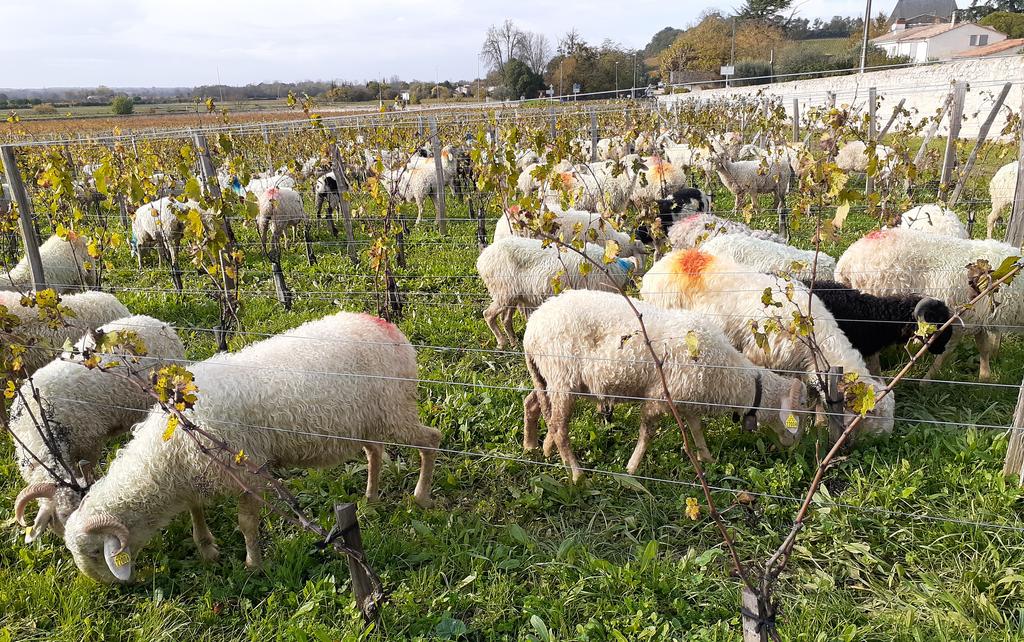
(864, 43)
(632, 91)
(616, 78)
(732, 56)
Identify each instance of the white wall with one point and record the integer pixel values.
(924, 87)
(952, 42)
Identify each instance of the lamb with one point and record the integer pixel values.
(84, 408)
(874, 323)
(899, 262)
(733, 298)
(933, 218)
(67, 267)
(520, 273)
(311, 397)
(698, 228)
(280, 209)
(1002, 190)
(587, 343)
(577, 225)
(750, 178)
(769, 257)
(90, 310)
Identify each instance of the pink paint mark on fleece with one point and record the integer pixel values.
(389, 328)
(273, 193)
(692, 218)
(877, 235)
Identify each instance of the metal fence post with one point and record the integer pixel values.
(28, 228)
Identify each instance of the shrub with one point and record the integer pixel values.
(759, 72)
(1012, 24)
(122, 105)
(44, 108)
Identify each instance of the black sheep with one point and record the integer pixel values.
(669, 209)
(873, 323)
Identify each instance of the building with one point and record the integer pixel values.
(915, 13)
(1002, 48)
(937, 41)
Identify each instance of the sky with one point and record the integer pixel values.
(168, 43)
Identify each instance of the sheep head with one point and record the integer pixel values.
(101, 546)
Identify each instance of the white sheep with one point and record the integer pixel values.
(899, 261)
(853, 157)
(418, 180)
(160, 225)
(1002, 190)
(89, 310)
(311, 397)
(698, 228)
(660, 179)
(84, 408)
(748, 179)
(732, 297)
(577, 225)
(589, 343)
(261, 183)
(769, 257)
(280, 210)
(520, 273)
(67, 267)
(935, 219)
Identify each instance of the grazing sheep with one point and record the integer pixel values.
(309, 398)
(698, 228)
(326, 192)
(1002, 190)
(899, 262)
(689, 157)
(732, 297)
(280, 209)
(67, 267)
(577, 225)
(417, 181)
(160, 225)
(686, 200)
(750, 178)
(935, 219)
(528, 184)
(84, 408)
(853, 157)
(520, 273)
(769, 257)
(589, 343)
(873, 323)
(658, 181)
(261, 183)
(90, 310)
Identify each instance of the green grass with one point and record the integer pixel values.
(513, 551)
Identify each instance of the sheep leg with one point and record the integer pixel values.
(331, 209)
(558, 432)
(510, 331)
(309, 244)
(201, 535)
(249, 524)
(649, 412)
(373, 457)
(874, 364)
(940, 359)
(993, 219)
(175, 270)
(490, 317)
(988, 343)
(703, 454)
(531, 419)
(428, 440)
(419, 210)
(138, 252)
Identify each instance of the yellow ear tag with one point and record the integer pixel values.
(791, 422)
(122, 558)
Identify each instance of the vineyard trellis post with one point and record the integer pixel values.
(755, 616)
(25, 214)
(270, 153)
(1014, 464)
(593, 136)
(830, 100)
(347, 527)
(869, 181)
(834, 404)
(933, 129)
(956, 117)
(796, 120)
(892, 118)
(338, 167)
(554, 122)
(440, 213)
(969, 164)
(1015, 225)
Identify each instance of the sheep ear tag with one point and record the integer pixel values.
(118, 561)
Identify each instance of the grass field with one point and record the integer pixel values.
(513, 551)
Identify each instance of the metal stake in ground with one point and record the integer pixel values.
(28, 233)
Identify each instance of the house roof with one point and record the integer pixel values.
(906, 9)
(925, 32)
(1003, 46)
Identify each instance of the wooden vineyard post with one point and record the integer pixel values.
(892, 118)
(28, 228)
(969, 165)
(834, 404)
(796, 120)
(347, 528)
(956, 116)
(1015, 226)
(1014, 465)
(554, 123)
(229, 302)
(435, 143)
(266, 144)
(830, 100)
(932, 130)
(593, 136)
(869, 181)
(338, 167)
(754, 616)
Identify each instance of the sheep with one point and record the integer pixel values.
(853, 157)
(528, 184)
(686, 200)
(899, 261)
(167, 185)
(89, 310)
(748, 179)
(589, 343)
(577, 225)
(1002, 191)
(873, 323)
(310, 397)
(261, 183)
(280, 209)
(160, 225)
(84, 408)
(770, 257)
(933, 218)
(596, 186)
(67, 267)
(326, 191)
(689, 157)
(417, 181)
(698, 228)
(521, 272)
(733, 298)
(658, 181)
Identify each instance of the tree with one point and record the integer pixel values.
(982, 8)
(571, 43)
(1012, 24)
(122, 105)
(764, 11)
(536, 52)
(502, 44)
(708, 45)
(520, 80)
(661, 41)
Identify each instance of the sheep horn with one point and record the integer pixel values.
(106, 524)
(31, 493)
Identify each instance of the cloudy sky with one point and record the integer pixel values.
(187, 42)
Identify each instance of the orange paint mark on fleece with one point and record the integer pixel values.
(389, 328)
(567, 179)
(688, 268)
